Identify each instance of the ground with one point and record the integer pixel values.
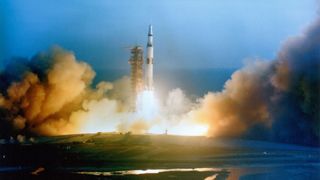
(127, 156)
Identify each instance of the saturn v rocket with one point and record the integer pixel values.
(149, 63)
(138, 83)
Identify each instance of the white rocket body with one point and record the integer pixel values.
(149, 64)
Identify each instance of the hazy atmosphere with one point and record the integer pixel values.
(189, 34)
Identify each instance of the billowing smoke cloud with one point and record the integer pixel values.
(276, 100)
(51, 94)
(242, 104)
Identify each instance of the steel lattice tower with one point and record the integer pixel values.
(136, 62)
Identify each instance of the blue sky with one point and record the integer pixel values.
(188, 34)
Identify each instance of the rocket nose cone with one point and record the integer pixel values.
(150, 30)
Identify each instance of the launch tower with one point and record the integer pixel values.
(136, 62)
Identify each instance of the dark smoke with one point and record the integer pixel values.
(296, 107)
(276, 100)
